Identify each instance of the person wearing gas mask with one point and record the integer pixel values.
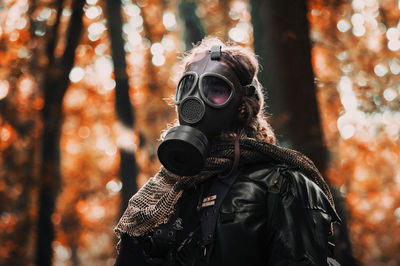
(226, 194)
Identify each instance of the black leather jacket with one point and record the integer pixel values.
(272, 215)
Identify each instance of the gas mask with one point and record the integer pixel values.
(208, 96)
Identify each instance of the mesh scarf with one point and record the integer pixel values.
(153, 204)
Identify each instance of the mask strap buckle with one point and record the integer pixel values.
(216, 52)
(250, 89)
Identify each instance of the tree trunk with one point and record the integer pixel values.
(55, 85)
(281, 38)
(123, 106)
(193, 31)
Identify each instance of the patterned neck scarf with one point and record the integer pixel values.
(154, 203)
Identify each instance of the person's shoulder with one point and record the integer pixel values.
(269, 172)
(291, 184)
(300, 188)
(274, 173)
(259, 171)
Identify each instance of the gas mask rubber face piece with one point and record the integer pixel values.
(208, 96)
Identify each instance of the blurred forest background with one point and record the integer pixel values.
(83, 99)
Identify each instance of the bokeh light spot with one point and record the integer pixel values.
(132, 10)
(347, 96)
(169, 21)
(136, 21)
(240, 33)
(84, 132)
(358, 5)
(168, 43)
(158, 60)
(96, 212)
(111, 150)
(347, 131)
(397, 213)
(5, 133)
(21, 23)
(73, 147)
(134, 38)
(380, 70)
(66, 12)
(61, 252)
(157, 49)
(389, 94)
(44, 14)
(75, 98)
(392, 34)
(110, 85)
(100, 49)
(76, 74)
(40, 31)
(26, 85)
(357, 19)
(95, 30)
(114, 186)
(23, 52)
(343, 25)
(394, 66)
(104, 67)
(93, 12)
(394, 45)
(359, 30)
(4, 88)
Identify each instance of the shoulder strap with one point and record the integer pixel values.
(210, 209)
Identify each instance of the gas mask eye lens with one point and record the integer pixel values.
(216, 89)
(185, 85)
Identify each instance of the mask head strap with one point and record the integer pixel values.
(216, 52)
(250, 89)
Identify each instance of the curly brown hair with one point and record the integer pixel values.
(251, 120)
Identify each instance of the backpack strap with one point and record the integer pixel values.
(162, 240)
